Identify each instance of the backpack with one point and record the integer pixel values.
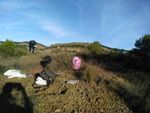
(32, 43)
(76, 62)
(46, 60)
(49, 75)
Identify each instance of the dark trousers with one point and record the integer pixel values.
(31, 47)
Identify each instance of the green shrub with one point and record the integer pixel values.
(2, 68)
(7, 49)
(20, 50)
(95, 48)
(20, 53)
(142, 46)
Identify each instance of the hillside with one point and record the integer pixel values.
(61, 97)
(104, 84)
(80, 44)
(79, 47)
(74, 46)
(26, 44)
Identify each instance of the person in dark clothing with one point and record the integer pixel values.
(121, 52)
(32, 44)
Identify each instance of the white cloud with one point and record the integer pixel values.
(55, 30)
(52, 28)
(20, 33)
(13, 5)
(10, 25)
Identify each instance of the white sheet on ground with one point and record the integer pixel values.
(40, 81)
(15, 73)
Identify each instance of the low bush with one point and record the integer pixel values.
(95, 48)
(7, 49)
(20, 53)
(10, 49)
(88, 73)
(61, 61)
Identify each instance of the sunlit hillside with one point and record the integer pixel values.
(107, 82)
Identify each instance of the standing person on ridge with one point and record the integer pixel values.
(121, 52)
(32, 44)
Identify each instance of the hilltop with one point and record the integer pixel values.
(74, 46)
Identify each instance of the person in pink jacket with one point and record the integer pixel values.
(76, 63)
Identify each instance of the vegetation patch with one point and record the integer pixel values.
(107, 82)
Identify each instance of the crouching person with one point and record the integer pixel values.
(76, 66)
(46, 75)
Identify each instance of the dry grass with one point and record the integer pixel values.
(25, 63)
(135, 86)
(30, 64)
(61, 62)
(90, 73)
(137, 91)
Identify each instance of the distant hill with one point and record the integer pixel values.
(82, 45)
(70, 44)
(64, 45)
(26, 44)
(73, 45)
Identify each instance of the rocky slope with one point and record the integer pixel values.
(60, 97)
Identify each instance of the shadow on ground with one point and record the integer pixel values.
(14, 99)
(135, 103)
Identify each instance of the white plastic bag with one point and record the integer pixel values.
(15, 73)
(40, 81)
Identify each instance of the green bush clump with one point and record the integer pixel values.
(95, 48)
(9, 49)
(20, 53)
(2, 69)
(142, 46)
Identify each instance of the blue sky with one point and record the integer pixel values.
(114, 23)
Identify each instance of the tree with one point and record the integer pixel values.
(95, 48)
(7, 48)
(143, 45)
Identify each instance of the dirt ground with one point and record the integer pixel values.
(60, 97)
